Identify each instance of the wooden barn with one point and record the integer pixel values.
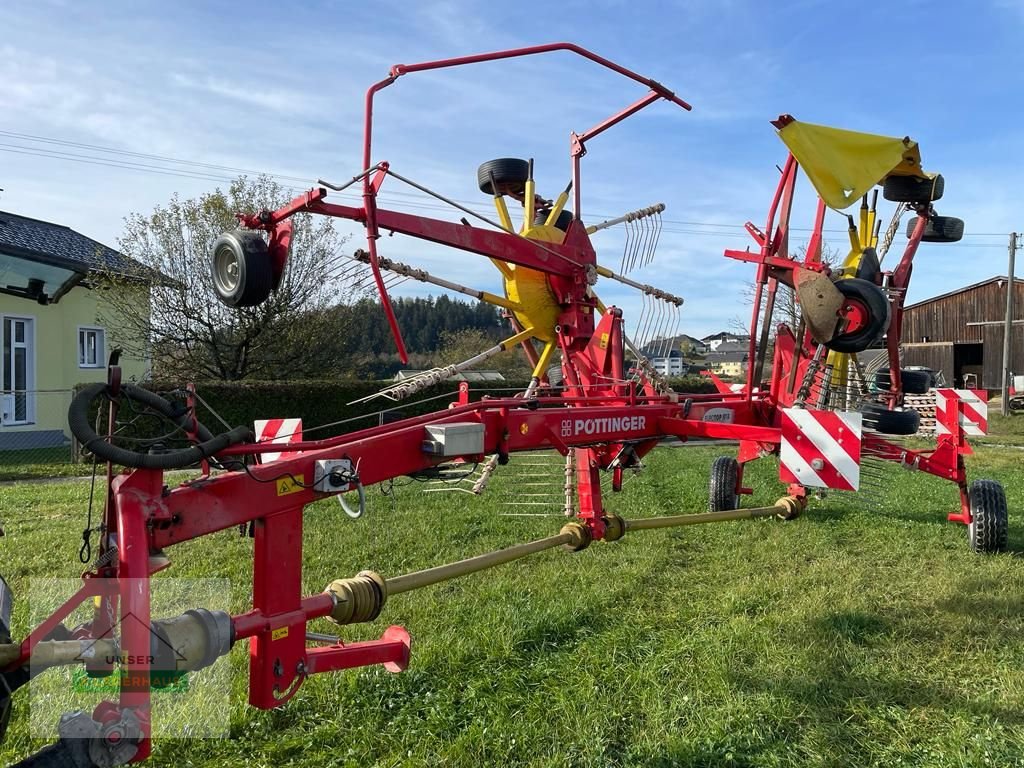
(961, 333)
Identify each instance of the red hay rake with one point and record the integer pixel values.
(605, 417)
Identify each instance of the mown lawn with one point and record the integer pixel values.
(848, 637)
(41, 463)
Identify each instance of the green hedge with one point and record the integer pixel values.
(320, 403)
(326, 402)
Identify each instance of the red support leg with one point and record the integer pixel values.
(131, 499)
(277, 655)
(588, 484)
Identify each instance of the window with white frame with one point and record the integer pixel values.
(90, 347)
(17, 398)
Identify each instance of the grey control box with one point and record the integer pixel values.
(454, 439)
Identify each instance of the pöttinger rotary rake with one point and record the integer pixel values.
(604, 418)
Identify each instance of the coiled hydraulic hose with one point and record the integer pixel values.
(209, 445)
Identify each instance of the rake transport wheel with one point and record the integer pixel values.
(510, 174)
(988, 530)
(562, 222)
(866, 311)
(911, 189)
(241, 270)
(881, 419)
(152, 453)
(939, 229)
(725, 477)
(914, 382)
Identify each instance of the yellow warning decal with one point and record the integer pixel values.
(604, 341)
(290, 484)
(279, 633)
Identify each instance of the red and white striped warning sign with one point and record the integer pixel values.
(820, 449)
(973, 418)
(278, 431)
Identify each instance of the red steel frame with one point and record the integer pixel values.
(792, 357)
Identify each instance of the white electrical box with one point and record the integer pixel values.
(333, 476)
(454, 439)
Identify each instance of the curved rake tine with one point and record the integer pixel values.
(644, 243)
(657, 235)
(624, 264)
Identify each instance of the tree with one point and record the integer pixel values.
(458, 346)
(187, 330)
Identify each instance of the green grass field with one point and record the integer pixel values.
(853, 636)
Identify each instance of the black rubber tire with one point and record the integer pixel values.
(880, 419)
(63, 754)
(869, 269)
(562, 222)
(990, 517)
(914, 382)
(79, 423)
(911, 189)
(725, 473)
(878, 308)
(240, 268)
(555, 377)
(510, 174)
(939, 229)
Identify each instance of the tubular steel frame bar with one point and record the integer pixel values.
(372, 186)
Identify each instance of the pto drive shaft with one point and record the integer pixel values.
(362, 597)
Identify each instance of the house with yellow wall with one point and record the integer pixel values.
(54, 330)
(729, 359)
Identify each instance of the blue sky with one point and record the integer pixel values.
(279, 88)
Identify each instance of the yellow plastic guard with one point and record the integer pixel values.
(844, 165)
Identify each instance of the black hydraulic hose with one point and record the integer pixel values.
(78, 421)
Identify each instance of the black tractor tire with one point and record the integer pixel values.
(66, 753)
(912, 189)
(510, 174)
(877, 304)
(555, 377)
(880, 419)
(869, 268)
(914, 382)
(989, 528)
(562, 222)
(939, 229)
(725, 474)
(240, 268)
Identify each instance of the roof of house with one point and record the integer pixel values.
(42, 261)
(725, 335)
(686, 338)
(732, 346)
(966, 288)
(60, 246)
